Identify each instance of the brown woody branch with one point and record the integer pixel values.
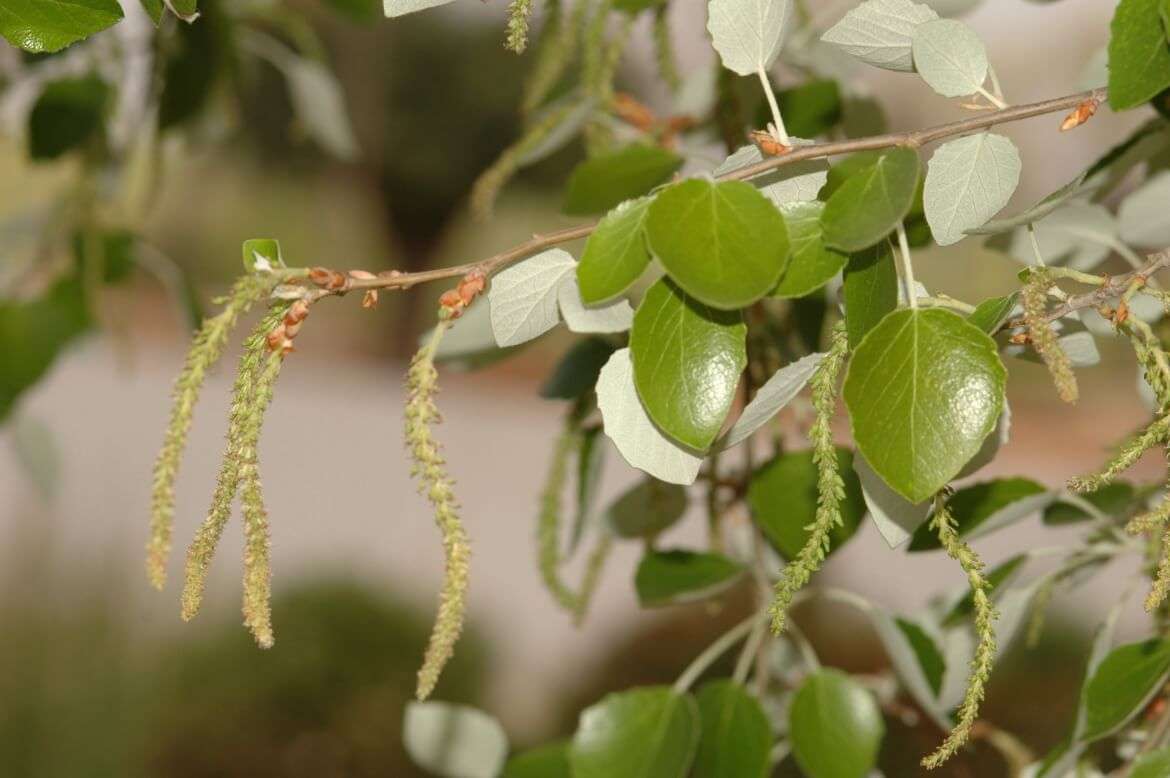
(393, 279)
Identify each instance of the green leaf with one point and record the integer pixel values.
(591, 453)
(576, 374)
(881, 32)
(154, 9)
(187, 10)
(636, 437)
(724, 244)
(871, 202)
(1122, 685)
(687, 362)
(924, 388)
(810, 109)
(551, 761)
(997, 578)
(454, 741)
(357, 10)
(984, 507)
(895, 517)
(402, 7)
(748, 33)
(783, 498)
(1111, 500)
(50, 25)
(646, 509)
(262, 255)
(813, 264)
(679, 576)
(870, 290)
(650, 732)
(616, 254)
(112, 250)
(737, 738)
(33, 333)
(66, 116)
(835, 726)
(319, 103)
(950, 57)
(991, 314)
(607, 180)
(1155, 764)
(929, 659)
(968, 181)
(1139, 55)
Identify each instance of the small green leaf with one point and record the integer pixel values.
(737, 738)
(262, 255)
(870, 290)
(608, 180)
(924, 389)
(1139, 56)
(813, 264)
(950, 57)
(67, 116)
(985, 507)
(616, 254)
(991, 314)
(680, 576)
(454, 741)
(871, 202)
(1122, 685)
(1155, 764)
(551, 761)
(576, 374)
(724, 244)
(646, 509)
(42, 26)
(783, 498)
(836, 728)
(687, 362)
(650, 732)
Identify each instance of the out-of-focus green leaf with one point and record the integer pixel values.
(454, 741)
(835, 727)
(647, 509)
(67, 116)
(649, 732)
(990, 504)
(576, 373)
(551, 761)
(1122, 684)
(43, 26)
(1139, 56)
(679, 576)
(736, 737)
(608, 180)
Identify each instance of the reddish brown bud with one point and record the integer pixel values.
(768, 144)
(1081, 114)
(362, 275)
(370, 299)
(296, 313)
(451, 299)
(471, 286)
(632, 112)
(320, 276)
(277, 337)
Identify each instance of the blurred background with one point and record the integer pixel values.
(98, 676)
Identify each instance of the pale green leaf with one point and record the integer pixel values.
(748, 33)
(649, 732)
(402, 7)
(872, 201)
(633, 433)
(687, 362)
(646, 509)
(454, 741)
(725, 244)
(523, 298)
(42, 26)
(896, 517)
(38, 452)
(616, 254)
(950, 57)
(736, 736)
(968, 181)
(678, 576)
(881, 32)
(616, 316)
(776, 393)
(813, 264)
(1144, 215)
(924, 390)
(835, 727)
(1077, 235)
(1039, 210)
(794, 182)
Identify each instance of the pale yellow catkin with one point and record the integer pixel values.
(206, 349)
(1044, 339)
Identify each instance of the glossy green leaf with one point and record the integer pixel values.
(551, 761)
(813, 264)
(835, 727)
(783, 498)
(725, 244)
(576, 374)
(1139, 56)
(872, 201)
(606, 181)
(454, 741)
(968, 181)
(636, 437)
(748, 34)
(650, 732)
(679, 576)
(950, 57)
(881, 32)
(984, 507)
(1122, 685)
(736, 736)
(616, 254)
(646, 509)
(68, 115)
(261, 255)
(51, 25)
(1155, 764)
(924, 389)
(870, 290)
(687, 362)
(992, 313)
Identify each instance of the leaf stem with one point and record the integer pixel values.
(906, 268)
(777, 119)
(703, 661)
(1000, 104)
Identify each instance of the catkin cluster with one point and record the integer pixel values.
(830, 487)
(1033, 300)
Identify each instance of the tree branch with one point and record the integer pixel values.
(394, 279)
